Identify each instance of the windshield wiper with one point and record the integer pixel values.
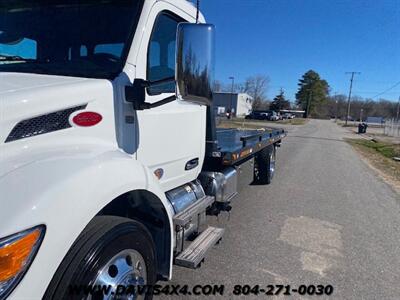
(14, 58)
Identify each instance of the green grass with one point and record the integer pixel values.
(385, 149)
(380, 156)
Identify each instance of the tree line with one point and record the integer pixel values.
(256, 86)
(313, 96)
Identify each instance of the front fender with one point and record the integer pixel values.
(65, 192)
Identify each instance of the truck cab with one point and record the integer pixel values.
(110, 160)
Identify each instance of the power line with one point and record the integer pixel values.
(373, 92)
(385, 91)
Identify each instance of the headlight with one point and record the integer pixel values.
(16, 254)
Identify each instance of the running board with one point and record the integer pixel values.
(193, 255)
(186, 216)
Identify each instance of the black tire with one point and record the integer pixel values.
(102, 239)
(265, 165)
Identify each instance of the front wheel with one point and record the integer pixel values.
(264, 168)
(111, 257)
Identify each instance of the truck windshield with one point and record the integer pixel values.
(83, 38)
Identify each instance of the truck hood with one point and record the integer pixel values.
(24, 96)
(30, 96)
(12, 83)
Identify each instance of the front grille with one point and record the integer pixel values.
(43, 124)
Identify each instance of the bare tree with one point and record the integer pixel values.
(256, 86)
(370, 108)
(217, 86)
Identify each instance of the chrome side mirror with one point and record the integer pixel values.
(194, 72)
(195, 62)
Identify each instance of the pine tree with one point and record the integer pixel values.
(313, 93)
(280, 102)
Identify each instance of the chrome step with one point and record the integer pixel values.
(193, 255)
(186, 216)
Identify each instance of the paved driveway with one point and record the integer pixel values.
(326, 219)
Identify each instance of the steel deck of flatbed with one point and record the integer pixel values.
(235, 145)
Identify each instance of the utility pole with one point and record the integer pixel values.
(351, 86)
(309, 102)
(398, 111)
(233, 83)
(337, 107)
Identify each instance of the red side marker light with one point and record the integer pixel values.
(87, 119)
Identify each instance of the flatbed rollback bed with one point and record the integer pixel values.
(237, 145)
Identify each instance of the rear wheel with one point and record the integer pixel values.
(264, 168)
(113, 252)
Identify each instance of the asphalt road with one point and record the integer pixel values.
(326, 219)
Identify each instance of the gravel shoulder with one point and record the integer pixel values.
(378, 151)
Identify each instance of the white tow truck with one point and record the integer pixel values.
(110, 161)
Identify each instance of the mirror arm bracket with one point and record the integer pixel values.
(148, 83)
(136, 93)
(146, 105)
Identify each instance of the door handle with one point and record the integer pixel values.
(191, 164)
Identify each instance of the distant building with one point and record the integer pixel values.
(241, 103)
(375, 120)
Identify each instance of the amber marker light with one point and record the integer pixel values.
(16, 254)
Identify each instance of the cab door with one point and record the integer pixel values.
(171, 137)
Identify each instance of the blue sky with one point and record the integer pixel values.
(285, 38)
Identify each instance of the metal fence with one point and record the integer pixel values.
(392, 128)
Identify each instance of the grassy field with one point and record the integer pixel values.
(255, 124)
(355, 124)
(297, 121)
(380, 156)
(385, 149)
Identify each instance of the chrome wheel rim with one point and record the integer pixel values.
(272, 163)
(128, 269)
